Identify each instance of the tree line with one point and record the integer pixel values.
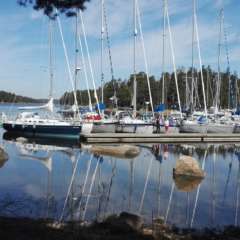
(228, 96)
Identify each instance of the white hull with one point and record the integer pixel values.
(134, 128)
(104, 128)
(189, 127)
(193, 128)
(87, 127)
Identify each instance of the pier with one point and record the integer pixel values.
(158, 138)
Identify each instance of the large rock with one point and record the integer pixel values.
(188, 166)
(187, 183)
(21, 140)
(119, 151)
(3, 157)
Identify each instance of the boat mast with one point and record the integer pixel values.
(217, 101)
(102, 36)
(163, 52)
(193, 35)
(50, 60)
(134, 58)
(200, 59)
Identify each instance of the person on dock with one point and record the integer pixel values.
(158, 124)
(166, 124)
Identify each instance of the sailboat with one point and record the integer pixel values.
(129, 123)
(31, 124)
(105, 124)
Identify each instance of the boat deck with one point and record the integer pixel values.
(158, 138)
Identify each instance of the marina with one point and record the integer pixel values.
(119, 120)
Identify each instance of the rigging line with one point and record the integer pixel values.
(69, 188)
(173, 58)
(90, 189)
(67, 61)
(89, 60)
(109, 50)
(144, 55)
(84, 185)
(145, 186)
(85, 71)
(198, 190)
(200, 61)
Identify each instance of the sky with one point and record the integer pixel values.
(24, 48)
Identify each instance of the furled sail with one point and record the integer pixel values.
(48, 106)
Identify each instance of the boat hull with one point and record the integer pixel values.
(59, 131)
(104, 128)
(134, 128)
(220, 128)
(193, 128)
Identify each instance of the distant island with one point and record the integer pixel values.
(7, 97)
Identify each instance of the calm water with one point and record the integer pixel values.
(61, 181)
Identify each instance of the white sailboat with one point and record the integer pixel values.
(129, 123)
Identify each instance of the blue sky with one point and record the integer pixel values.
(24, 41)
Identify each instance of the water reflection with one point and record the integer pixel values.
(62, 181)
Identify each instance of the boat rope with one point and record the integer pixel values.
(173, 58)
(85, 72)
(200, 58)
(144, 55)
(68, 63)
(89, 60)
(198, 190)
(69, 188)
(145, 185)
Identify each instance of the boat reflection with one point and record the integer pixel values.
(85, 185)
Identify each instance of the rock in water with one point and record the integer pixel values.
(3, 157)
(120, 151)
(188, 166)
(186, 183)
(21, 140)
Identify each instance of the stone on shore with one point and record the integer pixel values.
(188, 166)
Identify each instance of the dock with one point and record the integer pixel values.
(158, 138)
